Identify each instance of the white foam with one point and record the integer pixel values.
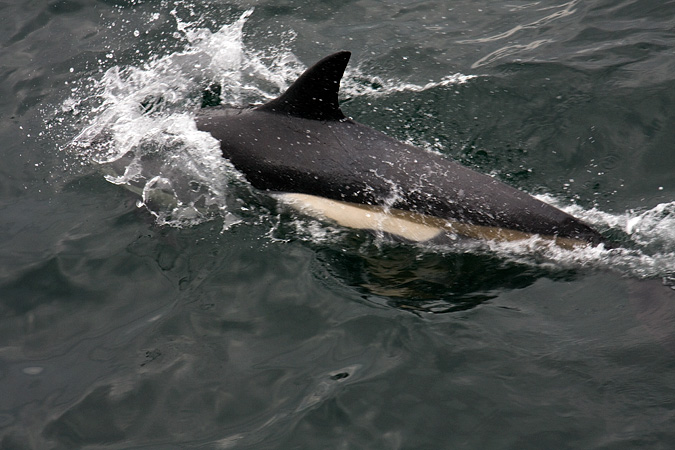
(142, 131)
(648, 249)
(358, 84)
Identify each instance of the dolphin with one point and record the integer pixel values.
(303, 149)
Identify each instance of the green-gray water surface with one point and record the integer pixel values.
(150, 298)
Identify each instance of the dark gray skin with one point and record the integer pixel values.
(302, 143)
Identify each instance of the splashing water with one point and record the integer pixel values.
(142, 135)
(648, 249)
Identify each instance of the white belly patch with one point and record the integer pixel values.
(355, 215)
(406, 224)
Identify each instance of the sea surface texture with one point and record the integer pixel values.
(150, 298)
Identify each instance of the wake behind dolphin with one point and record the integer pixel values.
(303, 148)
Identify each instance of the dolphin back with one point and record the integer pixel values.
(301, 142)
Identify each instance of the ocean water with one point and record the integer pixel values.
(151, 298)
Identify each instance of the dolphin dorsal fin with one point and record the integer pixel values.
(314, 95)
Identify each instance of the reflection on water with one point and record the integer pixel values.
(432, 281)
